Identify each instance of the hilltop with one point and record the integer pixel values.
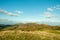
(29, 31)
(28, 27)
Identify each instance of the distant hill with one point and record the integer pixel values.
(28, 27)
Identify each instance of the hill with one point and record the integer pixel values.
(28, 27)
(29, 31)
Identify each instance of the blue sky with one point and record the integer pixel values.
(43, 11)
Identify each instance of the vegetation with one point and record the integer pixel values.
(29, 27)
(29, 31)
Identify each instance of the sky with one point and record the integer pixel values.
(41, 11)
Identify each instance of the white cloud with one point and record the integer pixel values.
(3, 11)
(5, 19)
(57, 7)
(49, 9)
(10, 13)
(19, 12)
(49, 15)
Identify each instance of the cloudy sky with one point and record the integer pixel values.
(43, 11)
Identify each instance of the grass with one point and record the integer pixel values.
(25, 35)
(55, 31)
(30, 31)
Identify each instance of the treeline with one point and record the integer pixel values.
(28, 27)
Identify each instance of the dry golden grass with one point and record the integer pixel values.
(42, 35)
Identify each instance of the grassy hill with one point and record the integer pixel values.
(29, 27)
(29, 31)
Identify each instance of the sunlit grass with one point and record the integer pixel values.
(30, 32)
(28, 35)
